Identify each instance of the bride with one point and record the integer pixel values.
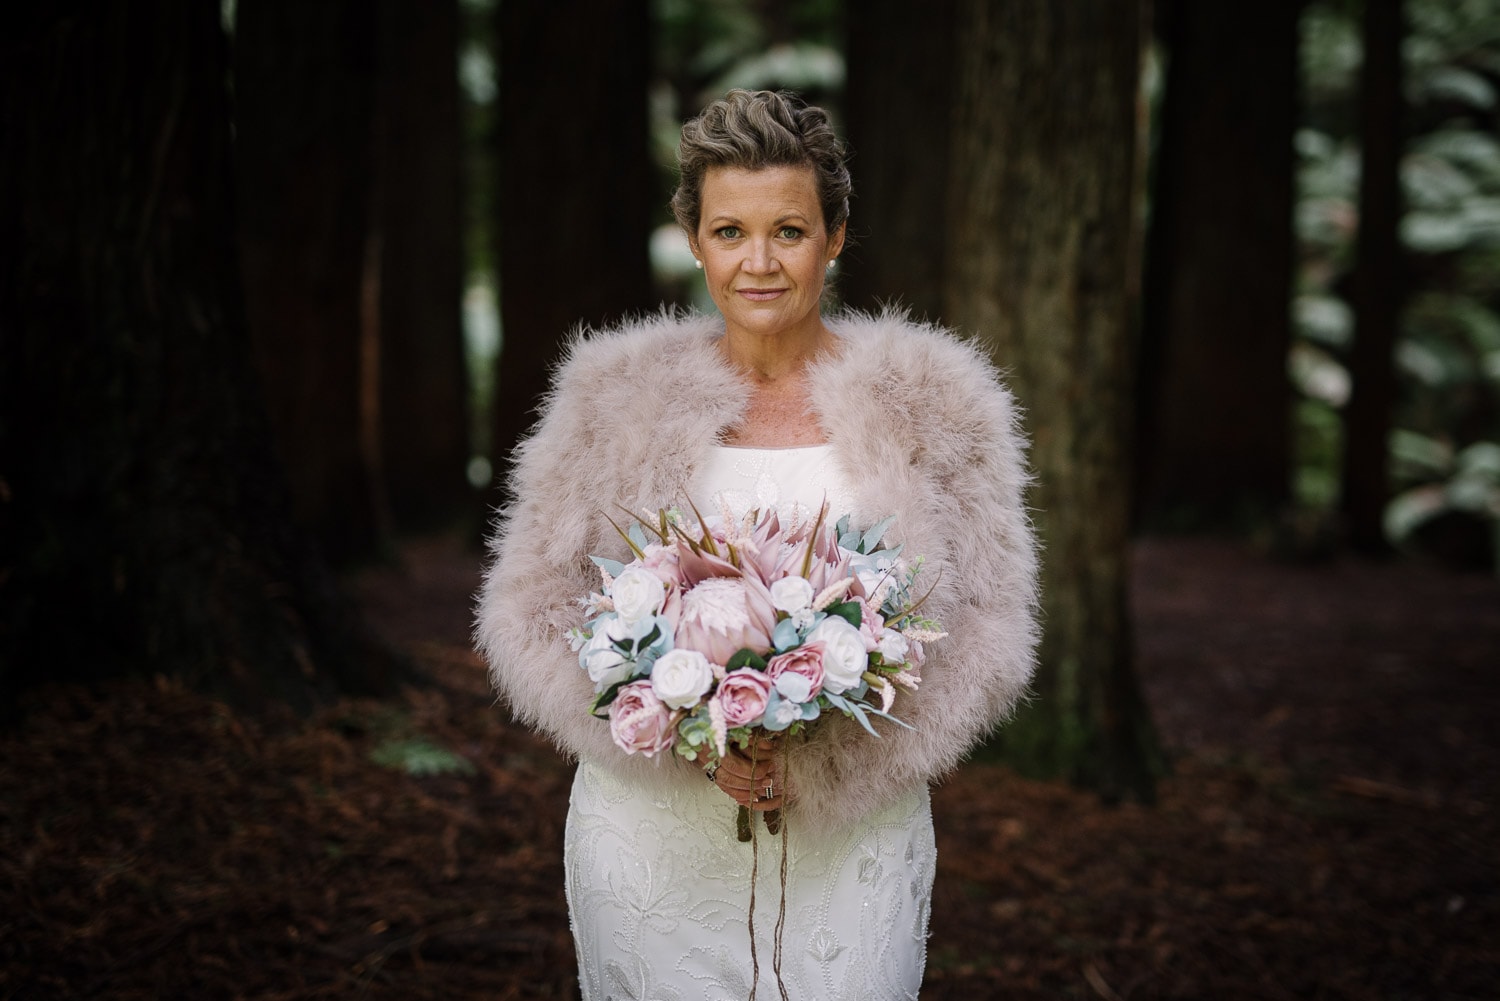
(770, 404)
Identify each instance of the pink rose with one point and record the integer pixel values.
(870, 624)
(806, 661)
(639, 721)
(742, 695)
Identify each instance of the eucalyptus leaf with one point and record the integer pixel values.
(612, 567)
(874, 534)
(858, 713)
(785, 636)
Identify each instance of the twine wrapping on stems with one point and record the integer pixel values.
(746, 822)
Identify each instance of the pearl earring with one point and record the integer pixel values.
(697, 264)
(830, 264)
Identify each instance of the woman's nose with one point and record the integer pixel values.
(759, 258)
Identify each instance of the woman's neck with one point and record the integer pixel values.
(769, 359)
(779, 411)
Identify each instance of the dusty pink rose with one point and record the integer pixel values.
(742, 695)
(871, 622)
(806, 660)
(723, 615)
(639, 721)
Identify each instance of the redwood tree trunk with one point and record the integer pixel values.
(900, 92)
(576, 186)
(304, 89)
(1377, 282)
(1215, 401)
(423, 398)
(1042, 228)
(146, 525)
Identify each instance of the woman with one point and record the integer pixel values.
(770, 404)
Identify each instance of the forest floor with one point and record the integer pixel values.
(1330, 827)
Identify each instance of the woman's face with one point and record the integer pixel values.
(764, 247)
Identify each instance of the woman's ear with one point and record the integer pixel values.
(836, 242)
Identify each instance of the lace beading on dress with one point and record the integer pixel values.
(659, 886)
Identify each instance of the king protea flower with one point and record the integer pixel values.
(723, 615)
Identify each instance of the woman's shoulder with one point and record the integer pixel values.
(921, 365)
(613, 383)
(667, 338)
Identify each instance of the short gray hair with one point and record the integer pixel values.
(757, 129)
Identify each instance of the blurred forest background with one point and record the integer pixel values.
(282, 286)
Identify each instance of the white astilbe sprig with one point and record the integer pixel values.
(718, 725)
(833, 592)
(906, 679)
(923, 635)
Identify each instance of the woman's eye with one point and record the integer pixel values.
(790, 232)
(730, 232)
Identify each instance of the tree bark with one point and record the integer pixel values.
(146, 524)
(423, 399)
(1377, 283)
(900, 96)
(1214, 434)
(576, 186)
(304, 90)
(1041, 226)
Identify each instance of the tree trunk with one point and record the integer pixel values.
(423, 404)
(1041, 222)
(576, 186)
(146, 524)
(304, 89)
(900, 92)
(1215, 398)
(1377, 282)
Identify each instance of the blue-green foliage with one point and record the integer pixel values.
(1447, 421)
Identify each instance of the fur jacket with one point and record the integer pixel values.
(920, 428)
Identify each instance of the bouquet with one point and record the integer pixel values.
(718, 628)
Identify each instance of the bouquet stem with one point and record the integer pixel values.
(742, 822)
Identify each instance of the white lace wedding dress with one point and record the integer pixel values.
(659, 886)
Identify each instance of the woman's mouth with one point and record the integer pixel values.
(760, 294)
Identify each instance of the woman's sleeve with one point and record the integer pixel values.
(563, 479)
(966, 491)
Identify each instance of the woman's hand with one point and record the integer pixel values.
(752, 777)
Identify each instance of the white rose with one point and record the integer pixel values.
(877, 584)
(603, 660)
(844, 658)
(637, 593)
(892, 646)
(792, 594)
(680, 677)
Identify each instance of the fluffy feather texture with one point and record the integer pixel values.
(921, 429)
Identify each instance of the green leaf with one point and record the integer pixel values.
(419, 756)
(847, 610)
(746, 658)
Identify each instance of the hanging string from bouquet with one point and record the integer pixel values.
(781, 828)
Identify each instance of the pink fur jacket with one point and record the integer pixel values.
(920, 428)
